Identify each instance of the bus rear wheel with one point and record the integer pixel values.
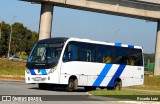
(117, 85)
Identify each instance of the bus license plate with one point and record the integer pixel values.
(38, 79)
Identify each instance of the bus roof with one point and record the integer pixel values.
(64, 39)
(53, 40)
(104, 43)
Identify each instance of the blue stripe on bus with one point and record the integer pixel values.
(130, 46)
(43, 71)
(32, 71)
(118, 44)
(102, 75)
(116, 75)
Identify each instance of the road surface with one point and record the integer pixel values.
(15, 89)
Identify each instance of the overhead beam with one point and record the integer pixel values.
(148, 1)
(126, 8)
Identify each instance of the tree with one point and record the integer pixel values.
(23, 39)
(5, 31)
(33, 39)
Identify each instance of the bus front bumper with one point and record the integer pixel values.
(39, 79)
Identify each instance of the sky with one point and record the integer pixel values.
(83, 24)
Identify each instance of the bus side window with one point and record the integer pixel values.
(107, 59)
(132, 62)
(74, 52)
(66, 56)
(71, 53)
(104, 54)
(135, 57)
(89, 56)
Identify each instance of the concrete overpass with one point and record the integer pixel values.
(130, 8)
(141, 9)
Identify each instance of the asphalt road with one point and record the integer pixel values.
(21, 91)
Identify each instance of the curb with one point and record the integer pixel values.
(20, 76)
(12, 78)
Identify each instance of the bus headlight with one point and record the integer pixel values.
(27, 71)
(52, 69)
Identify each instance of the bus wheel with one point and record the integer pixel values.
(71, 85)
(117, 85)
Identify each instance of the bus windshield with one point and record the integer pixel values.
(45, 53)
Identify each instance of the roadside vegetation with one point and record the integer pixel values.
(22, 39)
(150, 83)
(111, 92)
(9, 67)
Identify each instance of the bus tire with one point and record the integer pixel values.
(71, 85)
(117, 85)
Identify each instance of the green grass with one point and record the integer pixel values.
(146, 87)
(132, 95)
(8, 67)
(150, 83)
(152, 80)
(108, 92)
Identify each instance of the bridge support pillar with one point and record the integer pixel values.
(157, 51)
(46, 16)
